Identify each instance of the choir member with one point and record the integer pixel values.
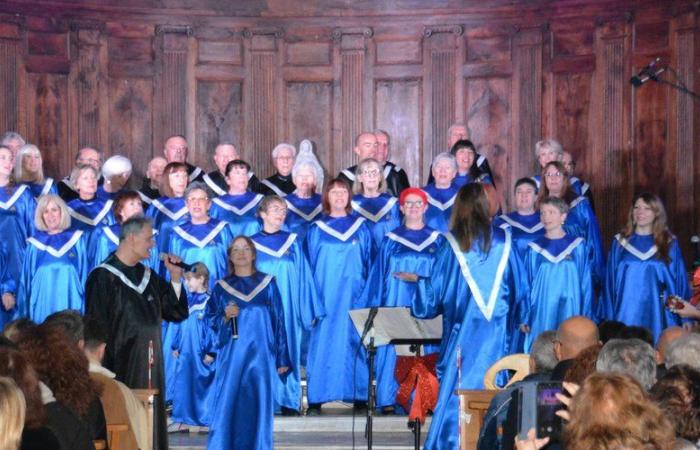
(558, 274)
(13, 141)
(645, 266)
(395, 176)
(194, 369)
(584, 188)
(442, 193)
(116, 172)
(175, 149)
(524, 222)
(170, 209)
(130, 301)
(474, 284)
(239, 206)
(88, 211)
(56, 261)
(304, 204)
(280, 254)
(29, 170)
(409, 248)
(340, 250)
(281, 183)
(457, 132)
(580, 220)
(550, 150)
(372, 202)
(250, 355)
(151, 182)
(87, 156)
(365, 147)
(468, 170)
(16, 225)
(224, 153)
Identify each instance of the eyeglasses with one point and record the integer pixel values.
(277, 210)
(370, 172)
(285, 158)
(414, 203)
(553, 175)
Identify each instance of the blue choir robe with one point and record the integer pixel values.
(105, 240)
(281, 255)
(581, 221)
(638, 282)
(523, 229)
(440, 203)
(166, 212)
(402, 250)
(558, 275)
(193, 378)
(39, 189)
(86, 215)
(477, 295)
(240, 211)
(382, 214)
(242, 395)
(16, 225)
(104, 195)
(8, 285)
(462, 179)
(576, 184)
(301, 212)
(340, 251)
(55, 263)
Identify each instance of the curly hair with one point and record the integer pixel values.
(612, 411)
(61, 365)
(583, 365)
(14, 365)
(678, 395)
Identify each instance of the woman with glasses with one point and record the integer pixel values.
(88, 211)
(281, 182)
(239, 205)
(442, 192)
(372, 202)
(250, 354)
(280, 254)
(409, 248)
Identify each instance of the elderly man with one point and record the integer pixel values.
(175, 150)
(457, 132)
(224, 153)
(365, 147)
(574, 335)
(151, 182)
(395, 176)
(14, 141)
(684, 350)
(281, 183)
(116, 172)
(632, 357)
(90, 156)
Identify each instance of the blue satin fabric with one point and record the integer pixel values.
(301, 212)
(105, 240)
(460, 180)
(439, 206)
(636, 285)
(93, 214)
(340, 265)
(42, 189)
(384, 289)
(240, 211)
(559, 282)
(193, 378)
(581, 221)
(243, 392)
(523, 228)
(45, 274)
(281, 255)
(379, 220)
(483, 339)
(166, 212)
(16, 225)
(7, 283)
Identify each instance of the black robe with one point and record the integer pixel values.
(217, 183)
(131, 308)
(278, 185)
(66, 191)
(395, 176)
(194, 173)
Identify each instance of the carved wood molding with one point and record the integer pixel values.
(275, 32)
(174, 29)
(457, 30)
(338, 33)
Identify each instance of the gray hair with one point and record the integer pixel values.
(279, 147)
(446, 156)
(11, 136)
(70, 321)
(632, 357)
(41, 206)
(388, 136)
(455, 125)
(198, 185)
(357, 187)
(20, 174)
(684, 350)
(549, 143)
(542, 351)
(75, 173)
(133, 225)
(116, 165)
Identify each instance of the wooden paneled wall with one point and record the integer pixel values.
(125, 75)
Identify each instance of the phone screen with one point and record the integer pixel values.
(548, 423)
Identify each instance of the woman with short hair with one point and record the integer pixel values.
(170, 209)
(372, 202)
(56, 262)
(88, 210)
(29, 170)
(304, 204)
(468, 170)
(239, 205)
(442, 192)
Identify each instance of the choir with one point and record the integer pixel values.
(286, 258)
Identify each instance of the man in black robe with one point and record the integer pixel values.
(281, 182)
(224, 153)
(130, 301)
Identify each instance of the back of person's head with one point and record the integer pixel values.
(95, 338)
(542, 352)
(12, 411)
(14, 365)
(632, 357)
(635, 332)
(61, 365)
(612, 411)
(14, 329)
(575, 334)
(678, 395)
(669, 335)
(70, 321)
(609, 329)
(583, 365)
(684, 350)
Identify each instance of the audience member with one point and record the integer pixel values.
(573, 336)
(684, 350)
(583, 365)
(609, 329)
(12, 411)
(632, 357)
(636, 332)
(678, 395)
(667, 336)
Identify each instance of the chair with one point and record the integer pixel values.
(473, 406)
(119, 433)
(99, 444)
(146, 397)
(519, 362)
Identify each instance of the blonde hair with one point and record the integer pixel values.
(75, 174)
(41, 206)
(23, 176)
(12, 410)
(357, 187)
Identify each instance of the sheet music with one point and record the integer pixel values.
(396, 323)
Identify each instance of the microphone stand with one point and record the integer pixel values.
(371, 390)
(676, 86)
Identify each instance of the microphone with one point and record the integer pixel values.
(369, 322)
(234, 326)
(186, 267)
(649, 72)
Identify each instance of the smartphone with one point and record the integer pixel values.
(547, 404)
